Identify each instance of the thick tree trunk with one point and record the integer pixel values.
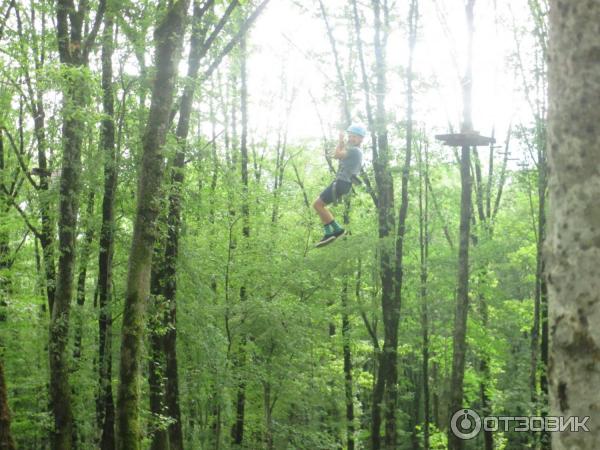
(573, 248)
(105, 409)
(60, 395)
(168, 36)
(73, 50)
(73, 102)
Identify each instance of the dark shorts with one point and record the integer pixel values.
(334, 191)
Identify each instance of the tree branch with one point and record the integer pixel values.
(502, 174)
(14, 257)
(91, 37)
(235, 40)
(209, 41)
(2, 25)
(22, 213)
(439, 213)
(20, 159)
(364, 177)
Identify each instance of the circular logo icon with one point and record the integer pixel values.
(465, 424)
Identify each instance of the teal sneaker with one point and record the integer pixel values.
(327, 239)
(330, 237)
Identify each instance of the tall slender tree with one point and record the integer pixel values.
(73, 49)
(462, 295)
(37, 109)
(168, 42)
(105, 409)
(423, 291)
(237, 432)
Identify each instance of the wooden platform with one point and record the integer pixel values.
(459, 139)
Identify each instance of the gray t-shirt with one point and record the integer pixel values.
(350, 166)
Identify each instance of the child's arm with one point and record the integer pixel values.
(340, 150)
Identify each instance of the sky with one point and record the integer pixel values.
(290, 41)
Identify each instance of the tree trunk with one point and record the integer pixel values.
(60, 396)
(424, 255)
(72, 53)
(349, 397)
(346, 119)
(47, 222)
(413, 421)
(462, 295)
(6, 439)
(573, 248)
(237, 432)
(168, 36)
(391, 383)
(84, 257)
(541, 291)
(156, 368)
(484, 370)
(435, 407)
(105, 409)
(462, 298)
(267, 405)
(165, 265)
(385, 214)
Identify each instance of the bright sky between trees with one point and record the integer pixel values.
(290, 44)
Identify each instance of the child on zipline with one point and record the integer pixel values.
(350, 158)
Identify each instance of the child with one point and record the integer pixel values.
(350, 158)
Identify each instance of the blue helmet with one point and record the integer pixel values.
(357, 129)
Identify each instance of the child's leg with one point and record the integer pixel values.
(322, 211)
(320, 204)
(332, 228)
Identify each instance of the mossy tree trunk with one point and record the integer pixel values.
(73, 49)
(168, 42)
(105, 408)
